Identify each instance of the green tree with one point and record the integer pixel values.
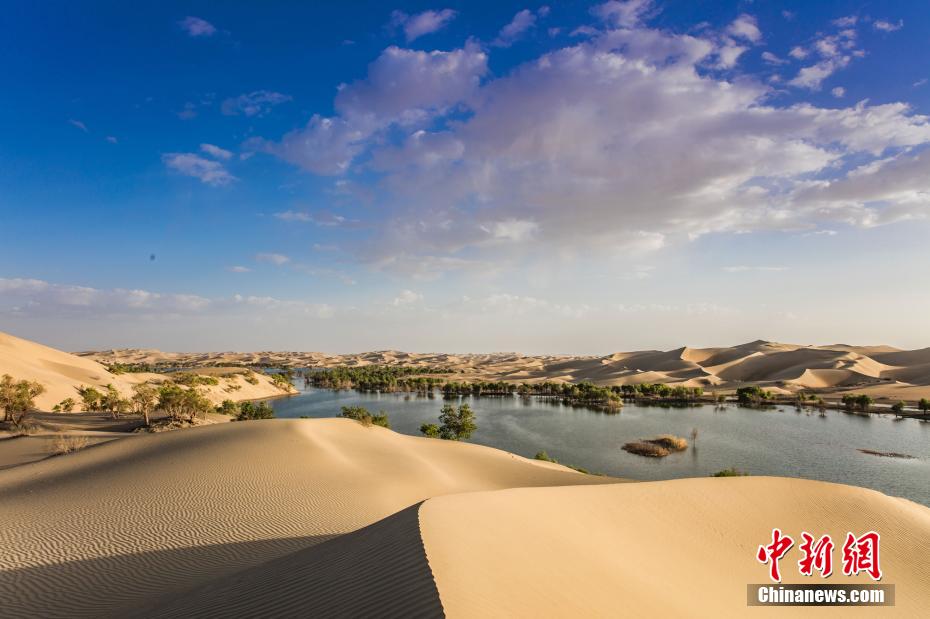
(183, 404)
(249, 411)
(924, 405)
(113, 403)
(90, 398)
(898, 407)
(456, 424)
(228, 407)
(361, 414)
(144, 399)
(17, 398)
(430, 430)
(65, 406)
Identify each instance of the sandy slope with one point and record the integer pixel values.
(882, 370)
(108, 528)
(682, 548)
(62, 374)
(324, 517)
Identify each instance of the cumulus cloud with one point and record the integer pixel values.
(521, 22)
(838, 92)
(625, 141)
(197, 27)
(415, 26)
(216, 152)
(276, 259)
(623, 13)
(887, 26)
(209, 172)
(257, 103)
(745, 27)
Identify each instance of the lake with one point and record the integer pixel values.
(773, 441)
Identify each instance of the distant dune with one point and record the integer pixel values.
(62, 374)
(325, 517)
(881, 371)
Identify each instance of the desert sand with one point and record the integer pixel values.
(325, 517)
(62, 374)
(883, 372)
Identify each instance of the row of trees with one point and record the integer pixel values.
(386, 378)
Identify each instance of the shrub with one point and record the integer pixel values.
(228, 407)
(251, 378)
(669, 442)
(542, 455)
(65, 406)
(645, 448)
(924, 405)
(249, 411)
(730, 472)
(430, 430)
(65, 444)
(182, 404)
(361, 414)
(17, 398)
(898, 407)
(90, 398)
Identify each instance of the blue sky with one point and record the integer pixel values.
(566, 178)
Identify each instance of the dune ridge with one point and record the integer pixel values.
(62, 374)
(325, 517)
(881, 371)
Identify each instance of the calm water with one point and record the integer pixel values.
(777, 441)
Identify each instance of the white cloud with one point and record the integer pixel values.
(623, 142)
(320, 218)
(415, 26)
(623, 13)
(745, 27)
(521, 22)
(78, 124)
(771, 58)
(197, 27)
(839, 92)
(216, 152)
(208, 171)
(276, 259)
(887, 26)
(846, 22)
(239, 269)
(406, 297)
(920, 82)
(798, 53)
(256, 103)
(112, 139)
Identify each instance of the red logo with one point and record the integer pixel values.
(860, 554)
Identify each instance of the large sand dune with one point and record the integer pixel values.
(62, 374)
(882, 371)
(326, 517)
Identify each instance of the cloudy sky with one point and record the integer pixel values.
(467, 176)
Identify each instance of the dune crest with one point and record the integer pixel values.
(880, 371)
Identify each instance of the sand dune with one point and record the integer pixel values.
(325, 517)
(885, 371)
(62, 374)
(110, 528)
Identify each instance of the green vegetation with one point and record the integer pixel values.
(113, 403)
(189, 379)
(282, 380)
(123, 368)
(542, 455)
(228, 407)
(898, 407)
(143, 401)
(924, 405)
(730, 472)
(90, 398)
(183, 404)
(249, 411)
(17, 398)
(385, 378)
(455, 424)
(65, 406)
(429, 430)
(251, 378)
(857, 402)
(753, 395)
(361, 414)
